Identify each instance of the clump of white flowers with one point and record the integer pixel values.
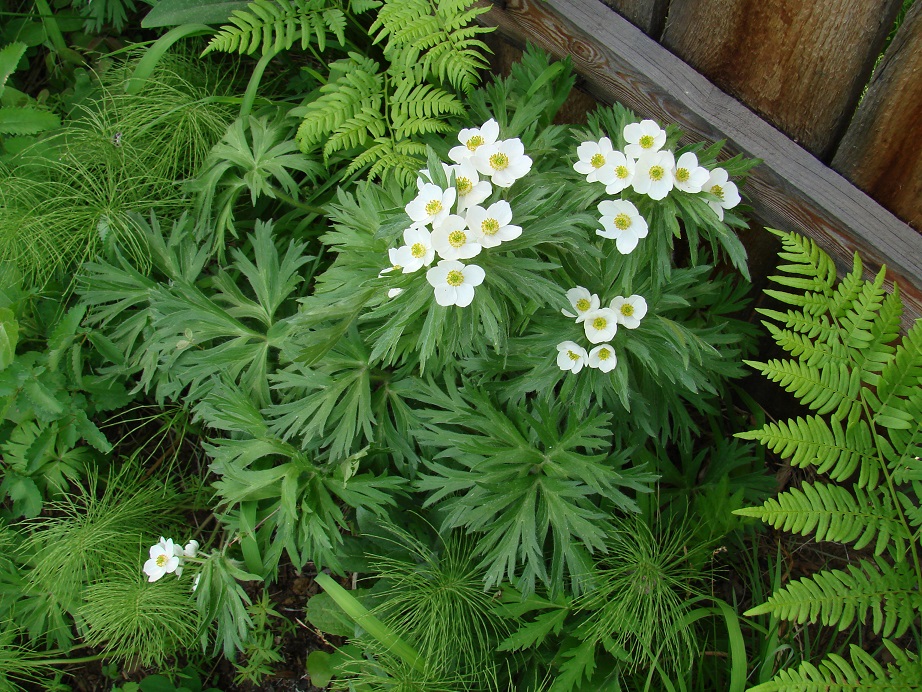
(455, 223)
(648, 169)
(167, 557)
(599, 325)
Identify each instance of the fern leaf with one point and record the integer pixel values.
(811, 271)
(858, 319)
(829, 388)
(833, 513)
(902, 449)
(837, 598)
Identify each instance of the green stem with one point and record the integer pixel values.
(65, 661)
(295, 203)
(250, 96)
(148, 63)
(51, 25)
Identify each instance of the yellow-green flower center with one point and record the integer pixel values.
(622, 222)
(489, 226)
(434, 207)
(646, 141)
(717, 191)
(464, 185)
(499, 161)
(597, 161)
(599, 323)
(454, 278)
(682, 175)
(604, 354)
(582, 305)
(474, 142)
(622, 172)
(627, 309)
(418, 250)
(457, 238)
(657, 172)
(573, 355)
(162, 560)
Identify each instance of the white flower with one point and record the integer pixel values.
(643, 138)
(454, 282)
(198, 578)
(582, 301)
(431, 205)
(571, 356)
(654, 174)
(622, 222)
(689, 176)
(491, 226)
(191, 548)
(393, 267)
(600, 325)
(596, 161)
(164, 558)
(603, 357)
(471, 189)
(623, 167)
(453, 241)
(629, 310)
(417, 253)
(473, 138)
(394, 292)
(505, 162)
(719, 185)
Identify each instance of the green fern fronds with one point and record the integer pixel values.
(828, 388)
(834, 513)
(274, 25)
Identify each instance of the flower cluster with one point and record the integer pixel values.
(600, 326)
(650, 170)
(451, 223)
(167, 557)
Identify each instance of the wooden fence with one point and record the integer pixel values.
(801, 68)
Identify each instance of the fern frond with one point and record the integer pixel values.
(275, 25)
(835, 674)
(848, 289)
(837, 598)
(902, 449)
(811, 352)
(400, 159)
(834, 450)
(828, 388)
(858, 319)
(833, 513)
(812, 272)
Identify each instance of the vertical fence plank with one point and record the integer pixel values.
(801, 65)
(882, 150)
(647, 15)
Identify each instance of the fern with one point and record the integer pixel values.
(846, 367)
(274, 25)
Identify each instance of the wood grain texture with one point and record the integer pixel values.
(791, 190)
(801, 65)
(647, 15)
(882, 150)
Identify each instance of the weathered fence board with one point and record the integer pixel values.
(648, 15)
(801, 65)
(882, 150)
(791, 190)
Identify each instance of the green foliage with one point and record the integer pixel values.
(19, 113)
(222, 604)
(868, 397)
(261, 649)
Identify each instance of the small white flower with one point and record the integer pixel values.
(571, 356)
(600, 325)
(623, 168)
(431, 205)
(453, 240)
(417, 253)
(491, 226)
(164, 558)
(719, 185)
(505, 161)
(471, 189)
(654, 174)
(643, 138)
(393, 267)
(394, 292)
(622, 222)
(629, 310)
(603, 357)
(454, 282)
(596, 161)
(473, 138)
(582, 301)
(191, 548)
(689, 176)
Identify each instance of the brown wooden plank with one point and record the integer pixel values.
(801, 65)
(791, 190)
(647, 15)
(882, 150)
